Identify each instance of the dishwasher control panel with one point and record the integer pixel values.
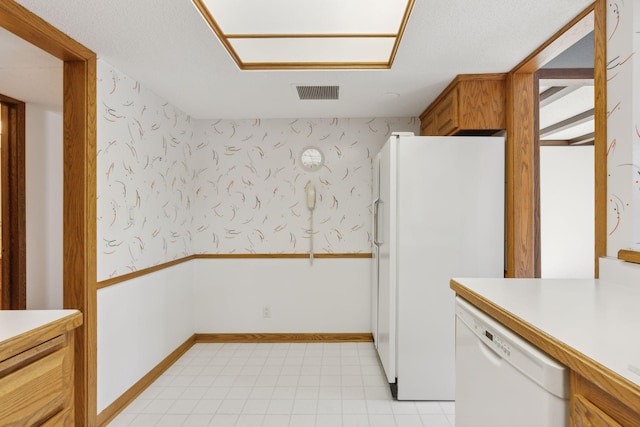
(493, 339)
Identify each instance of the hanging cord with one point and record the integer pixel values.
(311, 204)
(311, 237)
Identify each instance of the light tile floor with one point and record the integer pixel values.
(279, 385)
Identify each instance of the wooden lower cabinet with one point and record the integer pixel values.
(592, 406)
(586, 414)
(37, 381)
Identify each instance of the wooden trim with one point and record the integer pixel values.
(5, 284)
(311, 36)
(629, 256)
(523, 239)
(567, 123)
(204, 11)
(588, 401)
(143, 272)
(554, 143)
(566, 37)
(79, 224)
(284, 337)
(315, 66)
(224, 39)
(600, 139)
(285, 256)
(552, 94)
(625, 391)
(45, 332)
(522, 199)
(565, 73)
(14, 265)
(79, 215)
(403, 26)
(587, 139)
(23, 23)
(111, 411)
(18, 208)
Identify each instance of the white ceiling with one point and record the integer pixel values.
(28, 73)
(167, 46)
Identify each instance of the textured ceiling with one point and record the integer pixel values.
(167, 46)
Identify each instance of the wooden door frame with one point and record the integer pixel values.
(14, 265)
(79, 193)
(522, 151)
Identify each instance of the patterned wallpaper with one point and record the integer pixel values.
(623, 126)
(144, 177)
(250, 187)
(169, 186)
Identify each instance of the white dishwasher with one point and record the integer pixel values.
(502, 380)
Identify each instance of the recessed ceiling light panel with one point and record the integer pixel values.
(281, 34)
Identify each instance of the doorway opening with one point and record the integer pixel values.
(12, 200)
(523, 167)
(566, 159)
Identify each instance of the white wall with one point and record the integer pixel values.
(567, 211)
(44, 167)
(140, 322)
(332, 295)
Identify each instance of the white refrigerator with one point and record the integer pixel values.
(438, 213)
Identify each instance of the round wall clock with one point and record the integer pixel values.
(312, 158)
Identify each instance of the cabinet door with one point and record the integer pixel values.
(428, 125)
(482, 104)
(586, 414)
(446, 114)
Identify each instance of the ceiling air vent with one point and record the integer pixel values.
(318, 92)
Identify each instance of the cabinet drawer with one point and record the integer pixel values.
(64, 418)
(586, 414)
(35, 385)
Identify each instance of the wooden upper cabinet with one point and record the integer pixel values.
(472, 104)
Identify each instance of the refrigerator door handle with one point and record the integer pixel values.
(376, 205)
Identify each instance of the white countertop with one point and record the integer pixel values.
(17, 322)
(599, 319)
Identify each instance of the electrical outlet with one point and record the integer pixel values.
(266, 311)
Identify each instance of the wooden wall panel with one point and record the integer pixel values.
(79, 223)
(600, 140)
(523, 240)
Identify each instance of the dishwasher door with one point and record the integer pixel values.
(503, 381)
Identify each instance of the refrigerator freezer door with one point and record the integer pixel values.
(386, 260)
(374, 251)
